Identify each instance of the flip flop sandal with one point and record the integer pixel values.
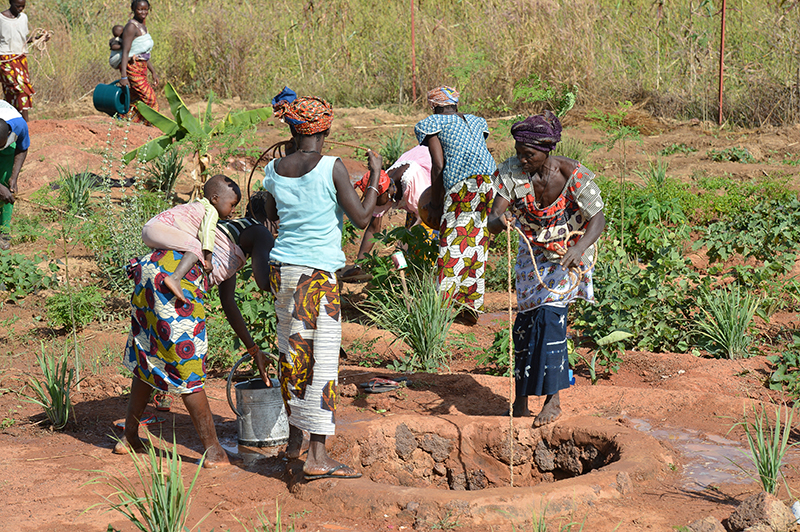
(147, 419)
(379, 385)
(162, 402)
(331, 473)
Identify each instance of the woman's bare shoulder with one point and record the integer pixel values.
(566, 165)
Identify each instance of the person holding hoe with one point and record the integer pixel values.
(558, 212)
(308, 193)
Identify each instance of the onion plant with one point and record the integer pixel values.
(156, 499)
(419, 316)
(53, 392)
(768, 444)
(726, 318)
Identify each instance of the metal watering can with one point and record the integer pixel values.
(111, 98)
(261, 416)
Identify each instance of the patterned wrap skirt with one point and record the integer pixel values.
(309, 336)
(167, 344)
(464, 240)
(541, 364)
(16, 80)
(141, 90)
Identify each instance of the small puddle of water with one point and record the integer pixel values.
(252, 456)
(710, 460)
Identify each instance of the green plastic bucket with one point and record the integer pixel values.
(112, 99)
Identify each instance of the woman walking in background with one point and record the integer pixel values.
(308, 193)
(461, 195)
(137, 44)
(14, 75)
(559, 209)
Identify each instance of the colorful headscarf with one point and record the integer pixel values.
(442, 97)
(308, 115)
(541, 132)
(383, 183)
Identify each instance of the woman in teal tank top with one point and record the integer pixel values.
(308, 194)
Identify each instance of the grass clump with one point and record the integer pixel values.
(420, 317)
(768, 444)
(162, 173)
(393, 148)
(53, 392)
(734, 155)
(156, 500)
(726, 318)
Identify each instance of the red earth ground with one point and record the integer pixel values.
(689, 403)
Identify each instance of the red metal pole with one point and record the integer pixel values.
(413, 58)
(721, 59)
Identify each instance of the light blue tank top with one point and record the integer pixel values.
(310, 229)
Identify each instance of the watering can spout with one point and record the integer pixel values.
(111, 98)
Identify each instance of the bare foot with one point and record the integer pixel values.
(295, 444)
(216, 457)
(521, 407)
(174, 286)
(125, 446)
(551, 410)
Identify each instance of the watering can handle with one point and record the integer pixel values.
(230, 379)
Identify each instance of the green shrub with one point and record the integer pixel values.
(419, 250)
(20, 275)
(497, 354)
(734, 155)
(75, 308)
(787, 369)
(75, 190)
(674, 148)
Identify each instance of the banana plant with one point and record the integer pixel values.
(186, 128)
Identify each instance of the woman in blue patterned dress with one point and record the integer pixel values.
(461, 195)
(558, 207)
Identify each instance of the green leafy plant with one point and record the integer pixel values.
(421, 318)
(726, 321)
(674, 148)
(606, 354)
(768, 444)
(53, 392)
(419, 250)
(156, 500)
(393, 148)
(74, 307)
(497, 354)
(349, 233)
(364, 351)
(787, 369)
(734, 155)
(534, 89)
(163, 171)
(20, 276)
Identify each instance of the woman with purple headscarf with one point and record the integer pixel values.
(558, 207)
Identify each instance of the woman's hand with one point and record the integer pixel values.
(261, 363)
(572, 258)
(6, 195)
(124, 82)
(374, 162)
(155, 81)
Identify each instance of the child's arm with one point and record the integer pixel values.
(114, 44)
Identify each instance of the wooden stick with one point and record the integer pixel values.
(348, 145)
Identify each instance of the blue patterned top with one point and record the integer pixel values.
(464, 145)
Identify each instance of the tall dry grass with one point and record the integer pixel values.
(357, 52)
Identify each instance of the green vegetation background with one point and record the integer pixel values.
(358, 52)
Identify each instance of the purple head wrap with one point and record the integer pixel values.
(541, 132)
